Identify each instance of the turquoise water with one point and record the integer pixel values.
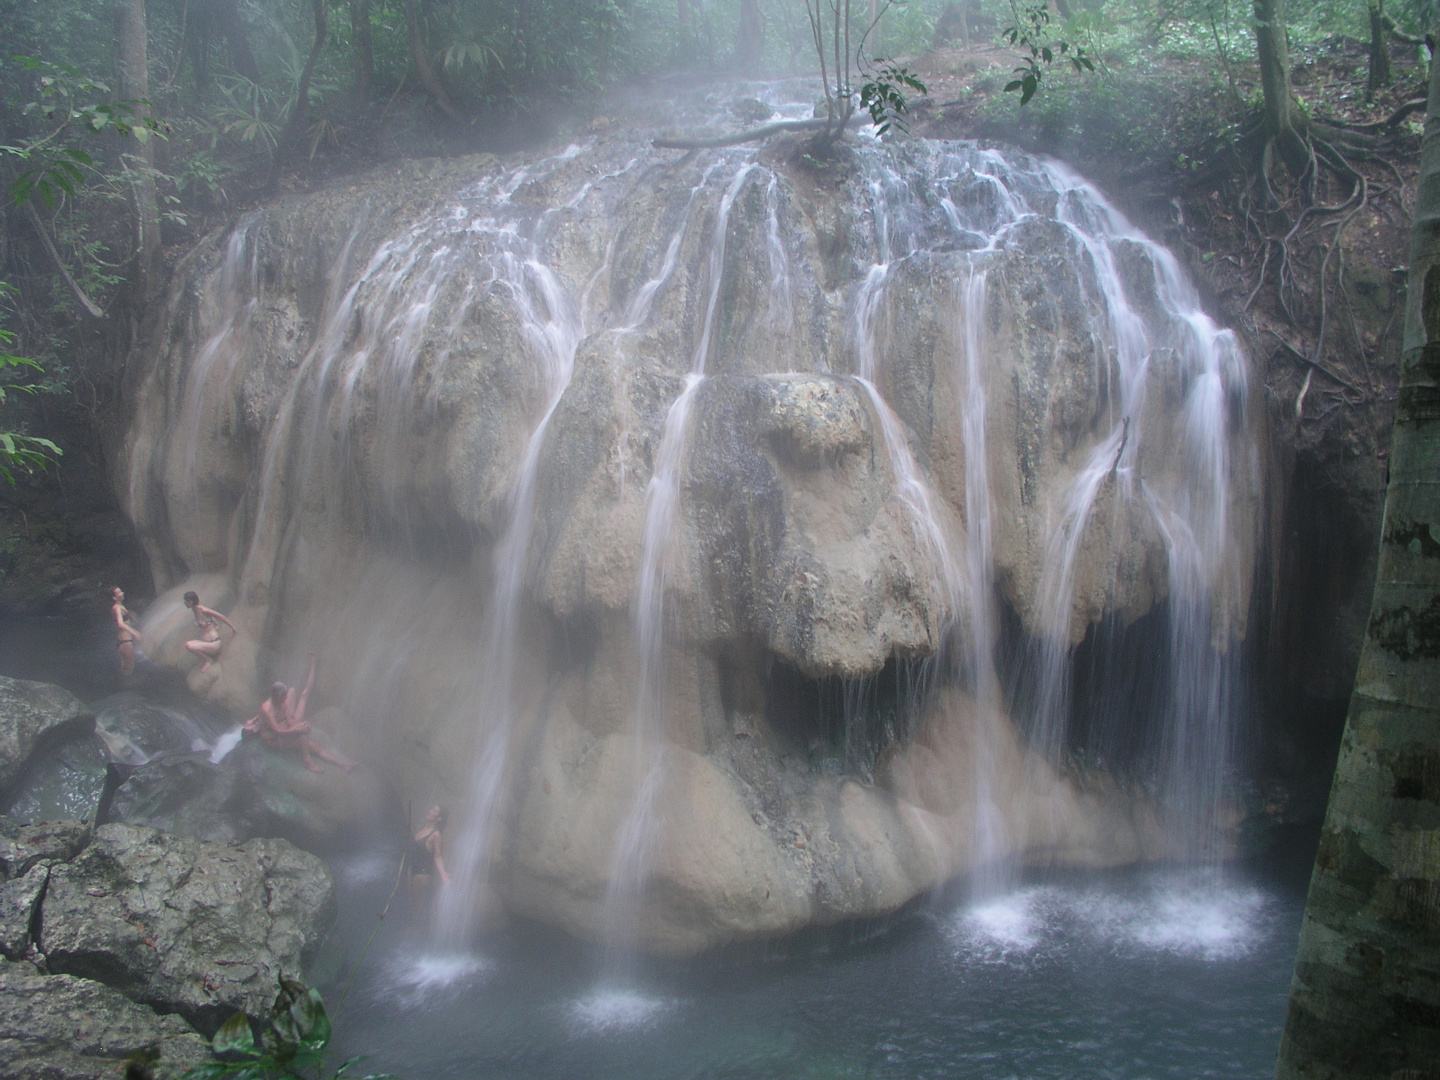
(1129, 974)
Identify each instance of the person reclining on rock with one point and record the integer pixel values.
(281, 723)
(208, 620)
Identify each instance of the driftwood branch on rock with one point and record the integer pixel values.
(764, 131)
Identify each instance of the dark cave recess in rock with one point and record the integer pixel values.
(843, 725)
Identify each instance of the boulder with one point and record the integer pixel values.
(31, 715)
(59, 1027)
(63, 780)
(190, 927)
(19, 902)
(255, 790)
(52, 841)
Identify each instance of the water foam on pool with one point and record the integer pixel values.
(1188, 915)
(610, 1009)
(1003, 926)
(412, 980)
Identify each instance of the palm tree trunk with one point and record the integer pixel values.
(1364, 1002)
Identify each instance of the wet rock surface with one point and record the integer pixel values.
(32, 714)
(195, 928)
(254, 791)
(107, 936)
(59, 1027)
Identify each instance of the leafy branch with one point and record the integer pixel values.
(884, 95)
(292, 1043)
(50, 169)
(53, 168)
(1033, 38)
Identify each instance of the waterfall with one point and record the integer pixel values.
(662, 499)
(1021, 430)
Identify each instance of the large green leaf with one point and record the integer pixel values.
(235, 1036)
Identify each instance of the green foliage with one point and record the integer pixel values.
(292, 1043)
(1032, 36)
(884, 95)
(19, 452)
(50, 168)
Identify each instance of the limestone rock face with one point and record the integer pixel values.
(59, 1027)
(29, 712)
(652, 511)
(195, 928)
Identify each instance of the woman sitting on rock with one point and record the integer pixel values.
(280, 721)
(208, 620)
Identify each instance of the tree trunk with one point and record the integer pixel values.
(227, 15)
(428, 79)
(135, 83)
(364, 49)
(750, 37)
(1379, 50)
(1363, 1001)
(295, 125)
(1273, 50)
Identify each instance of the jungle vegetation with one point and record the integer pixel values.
(128, 129)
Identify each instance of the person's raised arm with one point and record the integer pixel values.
(222, 618)
(299, 715)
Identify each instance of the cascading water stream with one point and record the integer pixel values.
(239, 296)
(635, 844)
(992, 845)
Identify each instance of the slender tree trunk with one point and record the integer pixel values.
(750, 37)
(1379, 49)
(91, 308)
(1273, 50)
(1364, 999)
(227, 15)
(135, 83)
(364, 49)
(428, 79)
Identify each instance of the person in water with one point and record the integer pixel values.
(426, 857)
(280, 721)
(127, 632)
(208, 620)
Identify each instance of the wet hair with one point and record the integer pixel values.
(278, 690)
(191, 599)
(113, 590)
(442, 817)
